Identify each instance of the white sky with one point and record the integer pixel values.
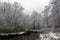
(30, 5)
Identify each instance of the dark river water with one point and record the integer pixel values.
(32, 36)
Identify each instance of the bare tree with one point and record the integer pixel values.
(46, 15)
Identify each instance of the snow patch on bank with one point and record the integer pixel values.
(49, 36)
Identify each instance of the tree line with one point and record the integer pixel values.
(13, 18)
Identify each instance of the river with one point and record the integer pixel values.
(32, 36)
(35, 36)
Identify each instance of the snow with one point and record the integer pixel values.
(49, 36)
(21, 32)
(53, 35)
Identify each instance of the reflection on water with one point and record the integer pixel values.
(32, 36)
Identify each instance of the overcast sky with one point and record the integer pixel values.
(30, 5)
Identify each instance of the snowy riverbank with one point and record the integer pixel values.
(49, 36)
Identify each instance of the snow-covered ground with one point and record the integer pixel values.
(50, 36)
